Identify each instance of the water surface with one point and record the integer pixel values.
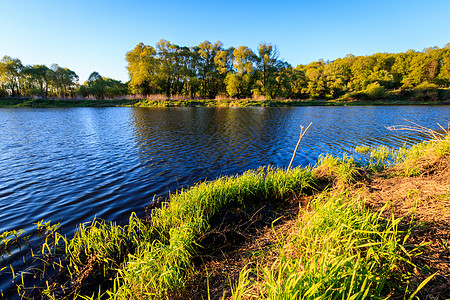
(73, 164)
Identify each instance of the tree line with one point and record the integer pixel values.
(42, 81)
(209, 70)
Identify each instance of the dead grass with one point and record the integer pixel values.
(427, 194)
(425, 199)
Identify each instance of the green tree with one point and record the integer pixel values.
(167, 66)
(381, 70)
(209, 75)
(239, 82)
(338, 75)
(41, 78)
(400, 68)
(317, 87)
(269, 70)
(115, 88)
(96, 85)
(361, 69)
(445, 69)
(224, 61)
(63, 81)
(280, 82)
(142, 69)
(298, 82)
(102, 87)
(182, 71)
(425, 67)
(10, 73)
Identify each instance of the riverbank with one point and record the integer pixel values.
(342, 228)
(440, 97)
(61, 103)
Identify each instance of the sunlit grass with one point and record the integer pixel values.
(103, 247)
(410, 159)
(160, 267)
(342, 251)
(341, 168)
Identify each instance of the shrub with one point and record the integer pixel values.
(445, 94)
(375, 91)
(426, 87)
(426, 91)
(3, 93)
(356, 95)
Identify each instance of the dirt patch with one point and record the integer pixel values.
(237, 239)
(424, 199)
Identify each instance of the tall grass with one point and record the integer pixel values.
(409, 159)
(342, 169)
(103, 247)
(160, 267)
(147, 260)
(342, 251)
(438, 146)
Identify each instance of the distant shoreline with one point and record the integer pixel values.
(61, 103)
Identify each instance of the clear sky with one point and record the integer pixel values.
(94, 35)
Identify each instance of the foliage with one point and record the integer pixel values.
(10, 70)
(426, 91)
(37, 80)
(161, 266)
(362, 253)
(102, 87)
(209, 70)
(40, 81)
(375, 91)
(343, 169)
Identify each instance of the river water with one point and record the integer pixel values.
(70, 165)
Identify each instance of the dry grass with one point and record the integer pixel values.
(425, 200)
(432, 134)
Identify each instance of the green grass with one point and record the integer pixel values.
(409, 159)
(103, 247)
(342, 251)
(160, 267)
(153, 259)
(343, 169)
(392, 98)
(50, 103)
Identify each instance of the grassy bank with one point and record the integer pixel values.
(307, 233)
(55, 103)
(394, 97)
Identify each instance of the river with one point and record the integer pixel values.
(69, 165)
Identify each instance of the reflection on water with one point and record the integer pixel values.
(70, 165)
(192, 144)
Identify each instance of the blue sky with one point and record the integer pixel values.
(95, 35)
